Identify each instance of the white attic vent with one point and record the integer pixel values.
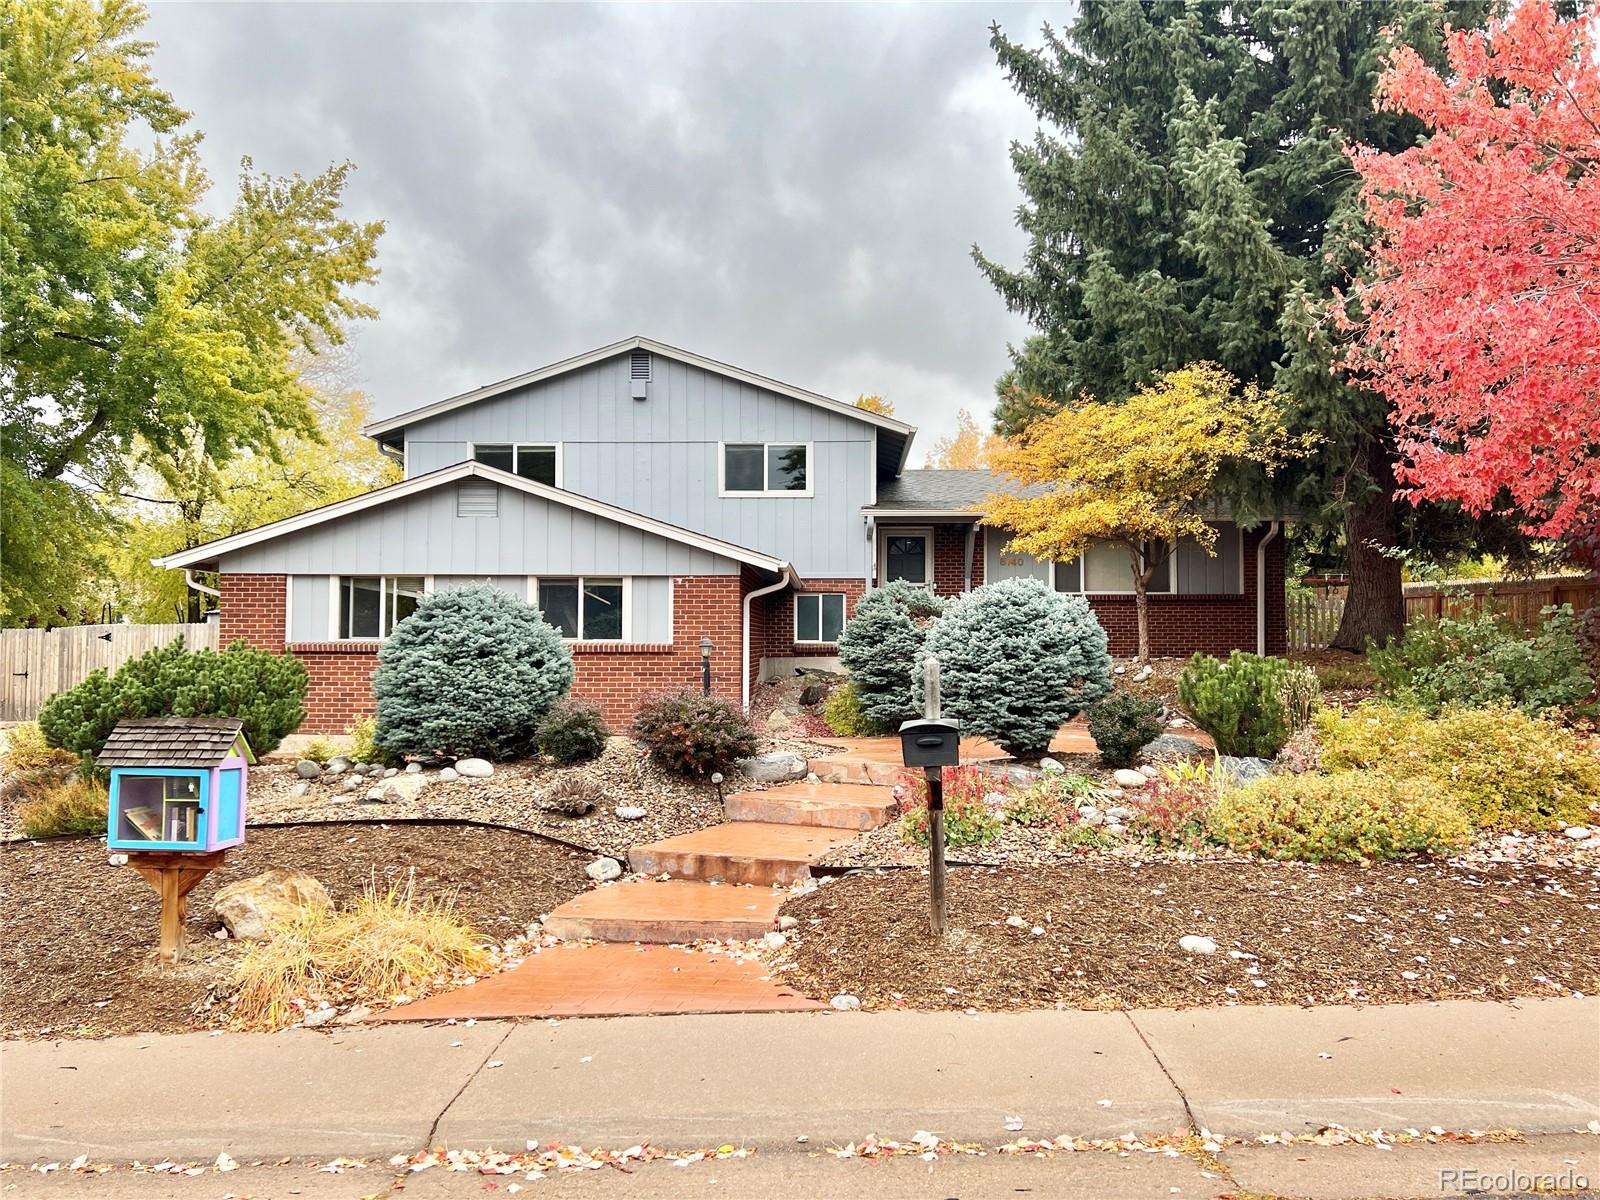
(639, 373)
(477, 498)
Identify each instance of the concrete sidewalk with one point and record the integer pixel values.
(763, 1080)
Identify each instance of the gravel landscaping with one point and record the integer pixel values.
(1105, 935)
(79, 934)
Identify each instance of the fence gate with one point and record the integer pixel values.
(35, 664)
(1314, 616)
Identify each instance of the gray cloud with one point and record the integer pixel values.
(792, 188)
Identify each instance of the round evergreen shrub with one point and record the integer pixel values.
(1240, 702)
(878, 649)
(1122, 725)
(694, 733)
(265, 691)
(1016, 661)
(573, 732)
(472, 672)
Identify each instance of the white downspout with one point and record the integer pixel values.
(1261, 586)
(188, 577)
(744, 659)
(972, 538)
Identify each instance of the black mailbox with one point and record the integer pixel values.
(931, 743)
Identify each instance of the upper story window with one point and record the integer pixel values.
(370, 606)
(538, 461)
(585, 609)
(1106, 568)
(766, 469)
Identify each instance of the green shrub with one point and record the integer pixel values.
(1482, 658)
(364, 746)
(1502, 767)
(1017, 660)
(574, 731)
(320, 751)
(696, 734)
(1238, 702)
(1122, 725)
(1343, 817)
(878, 649)
(846, 717)
(1085, 838)
(265, 691)
(969, 817)
(472, 671)
(75, 805)
(26, 750)
(1301, 694)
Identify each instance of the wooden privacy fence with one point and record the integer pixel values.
(1314, 613)
(35, 664)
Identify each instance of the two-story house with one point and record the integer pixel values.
(652, 503)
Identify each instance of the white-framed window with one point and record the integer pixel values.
(538, 461)
(905, 554)
(764, 469)
(818, 616)
(1104, 569)
(585, 608)
(370, 606)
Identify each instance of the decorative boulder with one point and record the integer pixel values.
(813, 694)
(247, 908)
(1174, 746)
(448, 775)
(777, 767)
(1125, 777)
(1240, 771)
(401, 788)
(307, 769)
(604, 870)
(474, 768)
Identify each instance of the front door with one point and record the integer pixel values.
(906, 554)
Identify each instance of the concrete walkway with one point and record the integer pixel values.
(764, 1080)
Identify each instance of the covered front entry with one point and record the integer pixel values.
(946, 555)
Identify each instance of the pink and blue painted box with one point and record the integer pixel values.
(177, 783)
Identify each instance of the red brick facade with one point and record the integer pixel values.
(777, 619)
(950, 559)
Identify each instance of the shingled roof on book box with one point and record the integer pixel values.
(171, 742)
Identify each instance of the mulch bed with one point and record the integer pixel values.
(1302, 935)
(78, 934)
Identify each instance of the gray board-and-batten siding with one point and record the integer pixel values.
(659, 455)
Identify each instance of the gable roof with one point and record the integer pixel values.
(200, 556)
(173, 742)
(898, 433)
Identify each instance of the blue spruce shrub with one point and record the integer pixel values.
(1016, 661)
(878, 648)
(472, 672)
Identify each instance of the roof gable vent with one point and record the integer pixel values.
(639, 373)
(477, 498)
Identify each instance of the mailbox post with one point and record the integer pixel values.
(933, 744)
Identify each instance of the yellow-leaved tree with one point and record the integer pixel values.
(1140, 474)
(969, 448)
(875, 403)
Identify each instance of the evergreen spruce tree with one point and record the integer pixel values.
(1188, 198)
(878, 649)
(1017, 660)
(471, 672)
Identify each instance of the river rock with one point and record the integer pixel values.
(1051, 767)
(474, 768)
(1193, 943)
(414, 768)
(335, 768)
(350, 782)
(1142, 674)
(1127, 777)
(339, 763)
(300, 789)
(246, 908)
(402, 788)
(777, 767)
(779, 721)
(1172, 745)
(604, 869)
(1240, 771)
(307, 769)
(629, 812)
(844, 1002)
(1119, 814)
(448, 775)
(1578, 832)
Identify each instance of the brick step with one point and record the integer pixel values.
(829, 805)
(876, 761)
(740, 852)
(679, 910)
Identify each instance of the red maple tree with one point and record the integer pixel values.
(1481, 305)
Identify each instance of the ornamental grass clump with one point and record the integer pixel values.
(1238, 702)
(1505, 769)
(878, 649)
(1122, 725)
(1017, 660)
(472, 672)
(1344, 817)
(384, 945)
(694, 734)
(72, 805)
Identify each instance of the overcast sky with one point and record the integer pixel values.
(791, 188)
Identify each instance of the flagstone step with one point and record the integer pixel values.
(877, 760)
(756, 852)
(829, 805)
(678, 910)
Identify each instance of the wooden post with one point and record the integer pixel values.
(938, 915)
(174, 874)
